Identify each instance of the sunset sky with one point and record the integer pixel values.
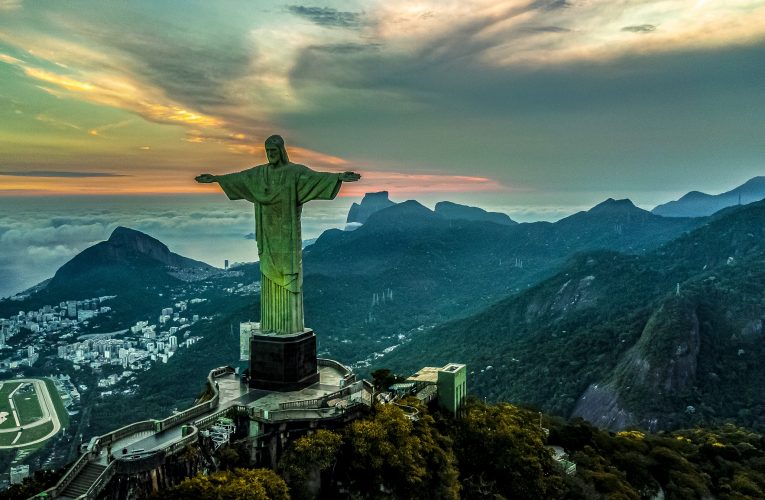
(536, 108)
(578, 99)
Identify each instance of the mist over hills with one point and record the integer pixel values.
(130, 264)
(570, 298)
(697, 204)
(436, 268)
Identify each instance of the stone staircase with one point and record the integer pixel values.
(83, 481)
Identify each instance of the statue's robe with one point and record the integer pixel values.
(278, 194)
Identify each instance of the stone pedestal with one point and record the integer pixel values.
(283, 362)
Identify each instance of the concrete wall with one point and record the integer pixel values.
(452, 387)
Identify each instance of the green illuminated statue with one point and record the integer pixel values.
(279, 189)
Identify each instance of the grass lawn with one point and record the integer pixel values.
(35, 433)
(5, 406)
(7, 388)
(27, 435)
(7, 438)
(63, 416)
(27, 405)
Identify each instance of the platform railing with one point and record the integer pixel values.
(98, 442)
(321, 401)
(105, 476)
(347, 372)
(67, 478)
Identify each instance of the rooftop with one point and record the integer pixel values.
(426, 374)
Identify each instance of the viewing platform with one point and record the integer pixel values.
(337, 396)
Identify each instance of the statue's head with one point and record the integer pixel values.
(275, 150)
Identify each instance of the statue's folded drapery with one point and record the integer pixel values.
(278, 193)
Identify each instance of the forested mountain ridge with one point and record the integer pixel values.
(698, 204)
(467, 264)
(406, 269)
(660, 340)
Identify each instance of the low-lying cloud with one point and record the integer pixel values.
(34, 244)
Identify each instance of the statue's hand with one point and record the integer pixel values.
(349, 177)
(205, 178)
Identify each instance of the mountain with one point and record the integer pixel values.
(130, 264)
(404, 271)
(396, 277)
(370, 203)
(672, 337)
(697, 204)
(455, 211)
(127, 257)
(408, 267)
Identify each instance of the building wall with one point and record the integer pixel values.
(452, 387)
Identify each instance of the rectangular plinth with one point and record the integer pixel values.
(283, 362)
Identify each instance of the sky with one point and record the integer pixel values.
(534, 107)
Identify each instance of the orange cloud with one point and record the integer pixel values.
(117, 91)
(404, 184)
(177, 182)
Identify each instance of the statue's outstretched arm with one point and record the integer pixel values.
(349, 177)
(206, 178)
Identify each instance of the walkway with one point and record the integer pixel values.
(147, 441)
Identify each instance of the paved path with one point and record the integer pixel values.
(232, 393)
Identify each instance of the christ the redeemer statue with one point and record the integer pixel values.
(279, 189)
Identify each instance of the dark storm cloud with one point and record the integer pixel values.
(674, 108)
(326, 16)
(640, 28)
(192, 66)
(367, 67)
(347, 48)
(551, 4)
(452, 73)
(42, 173)
(191, 71)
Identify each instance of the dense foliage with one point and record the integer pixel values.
(238, 484)
(503, 451)
(385, 456)
(726, 462)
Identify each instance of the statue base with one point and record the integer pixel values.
(283, 362)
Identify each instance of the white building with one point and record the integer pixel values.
(19, 473)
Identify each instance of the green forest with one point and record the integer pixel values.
(488, 451)
(499, 451)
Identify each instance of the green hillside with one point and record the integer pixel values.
(610, 338)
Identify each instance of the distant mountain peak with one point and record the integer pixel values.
(612, 205)
(698, 204)
(126, 235)
(755, 182)
(370, 203)
(127, 252)
(378, 195)
(455, 211)
(402, 214)
(409, 207)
